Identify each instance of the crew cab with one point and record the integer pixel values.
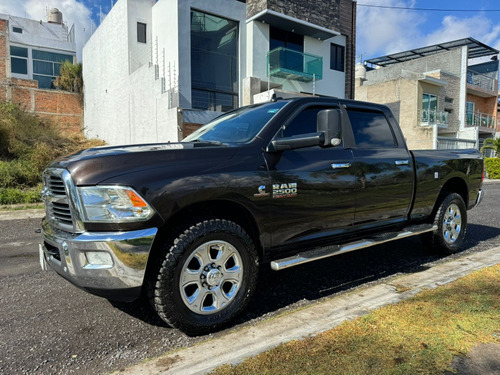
(276, 184)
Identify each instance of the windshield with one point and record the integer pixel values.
(238, 126)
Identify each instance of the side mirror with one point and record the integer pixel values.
(329, 122)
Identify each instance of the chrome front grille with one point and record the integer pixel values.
(56, 194)
(61, 213)
(56, 186)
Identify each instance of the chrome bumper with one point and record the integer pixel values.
(110, 264)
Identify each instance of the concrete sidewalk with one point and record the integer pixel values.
(239, 344)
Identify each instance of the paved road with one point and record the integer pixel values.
(48, 326)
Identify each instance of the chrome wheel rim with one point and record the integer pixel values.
(211, 277)
(452, 223)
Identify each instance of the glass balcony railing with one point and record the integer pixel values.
(480, 119)
(481, 80)
(289, 64)
(432, 117)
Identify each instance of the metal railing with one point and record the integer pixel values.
(480, 119)
(289, 64)
(481, 80)
(453, 144)
(431, 117)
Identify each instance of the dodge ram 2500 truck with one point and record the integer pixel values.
(280, 183)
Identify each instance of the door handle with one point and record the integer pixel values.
(341, 165)
(401, 162)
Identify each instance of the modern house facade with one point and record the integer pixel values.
(442, 95)
(31, 52)
(38, 48)
(157, 70)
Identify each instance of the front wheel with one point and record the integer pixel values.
(451, 221)
(206, 278)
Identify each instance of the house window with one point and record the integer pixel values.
(19, 60)
(141, 32)
(214, 62)
(293, 59)
(337, 57)
(46, 67)
(17, 30)
(429, 108)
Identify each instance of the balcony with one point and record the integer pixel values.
(434, 117)
(298, 66)
(482, 120)
(481, 84)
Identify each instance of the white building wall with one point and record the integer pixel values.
(106, 79)
(333, 82)
(139, 53)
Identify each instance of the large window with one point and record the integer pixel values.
(46, 67)
(429, 108)
(19, 60)
(214, 62)
(337, 57)
(285, 39)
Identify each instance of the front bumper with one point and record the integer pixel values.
(109, 264)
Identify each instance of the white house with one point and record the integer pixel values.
(37, 48)
(157, 70)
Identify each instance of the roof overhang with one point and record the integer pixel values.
(475, 49)
(284, 22)
(433, 81)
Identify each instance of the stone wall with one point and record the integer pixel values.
(63, 108)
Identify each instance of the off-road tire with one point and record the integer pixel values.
(451, 222)
(167, 293)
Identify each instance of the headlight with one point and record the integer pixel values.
(113, 204)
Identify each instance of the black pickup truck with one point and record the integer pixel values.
(280, 183)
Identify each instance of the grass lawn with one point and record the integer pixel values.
(418, 336)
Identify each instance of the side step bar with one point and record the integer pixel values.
(331, 250)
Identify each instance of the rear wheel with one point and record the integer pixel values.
(451, 222)
(206, 278)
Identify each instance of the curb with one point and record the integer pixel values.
(22, 214)
(236, 345)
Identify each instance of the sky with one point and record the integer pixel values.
(380, 31)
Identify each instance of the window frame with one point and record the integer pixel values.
(142, 33)
(334, 50)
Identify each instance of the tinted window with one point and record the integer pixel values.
(337, 57)
(371, 129)
(141, 32)
(303, 123)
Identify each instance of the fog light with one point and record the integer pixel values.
(100, 259)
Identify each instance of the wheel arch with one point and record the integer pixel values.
(456, 185)
(220, 209)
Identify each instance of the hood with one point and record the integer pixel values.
(95, 165)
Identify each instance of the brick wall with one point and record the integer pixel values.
(65, 109)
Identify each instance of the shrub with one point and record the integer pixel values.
(493, 167)
(16, 196)
(27, 146)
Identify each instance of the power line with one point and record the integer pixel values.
(427, 9)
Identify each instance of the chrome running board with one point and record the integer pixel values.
(331, 250)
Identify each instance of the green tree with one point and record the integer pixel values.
(492, 144)
(70, 78)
